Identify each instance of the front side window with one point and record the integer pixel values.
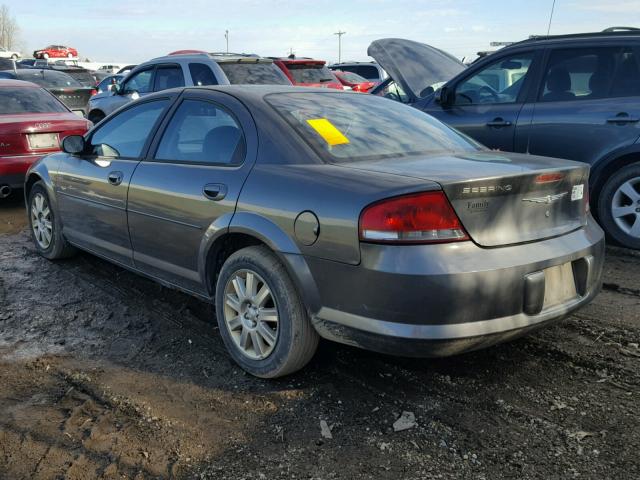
(125, 134)
(140, 82)
(500, 82)
(349, 128)
(168, 77)
(254, 73)
(590, 73)
(202, 74)
(202, 132)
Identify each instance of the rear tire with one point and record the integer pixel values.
(619, 206)
(290, 342)
(69, 55)
(45, 225)
(45, 56)
(14, 57)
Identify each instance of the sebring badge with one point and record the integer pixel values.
(547, 199)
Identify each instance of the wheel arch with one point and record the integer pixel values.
(603, 169)
(248, 229)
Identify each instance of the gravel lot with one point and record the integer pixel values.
(104, 374)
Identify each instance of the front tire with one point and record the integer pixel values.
(46, 228)
(45, 56)
(261, 317)
(619, 206)
(14, 57)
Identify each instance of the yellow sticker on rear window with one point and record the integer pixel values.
(328, 131)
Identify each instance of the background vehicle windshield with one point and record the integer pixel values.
(353, 77)
(28, 100)
(250, 73)
(49, 79)
(305, 73)
(351, 127)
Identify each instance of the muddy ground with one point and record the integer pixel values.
(104, 374)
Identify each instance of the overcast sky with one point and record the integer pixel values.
(136, 30)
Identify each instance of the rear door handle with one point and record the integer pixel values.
(499, 122)
(623, 117)
(215, 191)
(115, 178)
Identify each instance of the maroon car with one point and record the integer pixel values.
(32, 124)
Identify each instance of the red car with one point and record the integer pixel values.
(354, 81)
(32, 124)
(307, 72)
(56, 51)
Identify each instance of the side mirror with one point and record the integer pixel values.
(73, 144)
(443, 96)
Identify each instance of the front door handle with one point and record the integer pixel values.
(115, 178)
(215, 191)
(499, 122)
(623, 117)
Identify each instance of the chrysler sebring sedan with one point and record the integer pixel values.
(318, 213)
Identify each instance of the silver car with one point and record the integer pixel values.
(308, 213)
(181, 70)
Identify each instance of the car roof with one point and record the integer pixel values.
(576, 38)
(253, 92)
(215, 57)
(8, 82)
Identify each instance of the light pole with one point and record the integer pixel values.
(339, 33)
(226, 37)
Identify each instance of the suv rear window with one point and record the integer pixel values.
(302, 73)
(28, 100)
(350, 127)
(254, 73)
(367, 71)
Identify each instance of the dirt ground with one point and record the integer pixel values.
(104, 374)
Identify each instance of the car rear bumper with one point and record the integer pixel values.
(435, 300)
(13, 169)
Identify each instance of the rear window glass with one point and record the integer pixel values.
(28, 100)
(351, 127)
(85, 78)
(48, 78)
(353, 77)
(254, 73)
(367, 71)
(310, 73)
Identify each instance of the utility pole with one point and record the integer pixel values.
(226, 37)
(339, 33)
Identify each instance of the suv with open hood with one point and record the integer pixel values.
(570, 96)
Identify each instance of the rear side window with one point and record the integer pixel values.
(125, 134)
(202, 132)
(202, 74)
(168, 77)
(591, 73)
(254, 73)
(28, 100)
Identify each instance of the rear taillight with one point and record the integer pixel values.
(94, 92)
(417, 218)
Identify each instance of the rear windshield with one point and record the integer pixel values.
(353, 77)
(48, 78)
(254, 73)
(302, 73)
(367, 71)
(28, 100)
(85, 78)
(350, 127)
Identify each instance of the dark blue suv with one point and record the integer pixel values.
(571, 96)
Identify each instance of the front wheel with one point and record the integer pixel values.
(619, 206)
(46, 226)
(261, 317)
(45, 56)
(14, 57)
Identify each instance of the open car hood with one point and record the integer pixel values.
(415, 66)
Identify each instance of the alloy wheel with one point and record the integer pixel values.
(41, 221)
(251, 314)
(625, 207)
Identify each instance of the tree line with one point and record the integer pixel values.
(9, 30)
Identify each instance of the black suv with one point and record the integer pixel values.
(570, 96)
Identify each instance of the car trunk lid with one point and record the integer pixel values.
(415, 66)
(502, 199)
(23, 134)
(75, 98)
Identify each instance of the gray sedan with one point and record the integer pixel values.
(308, 213)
